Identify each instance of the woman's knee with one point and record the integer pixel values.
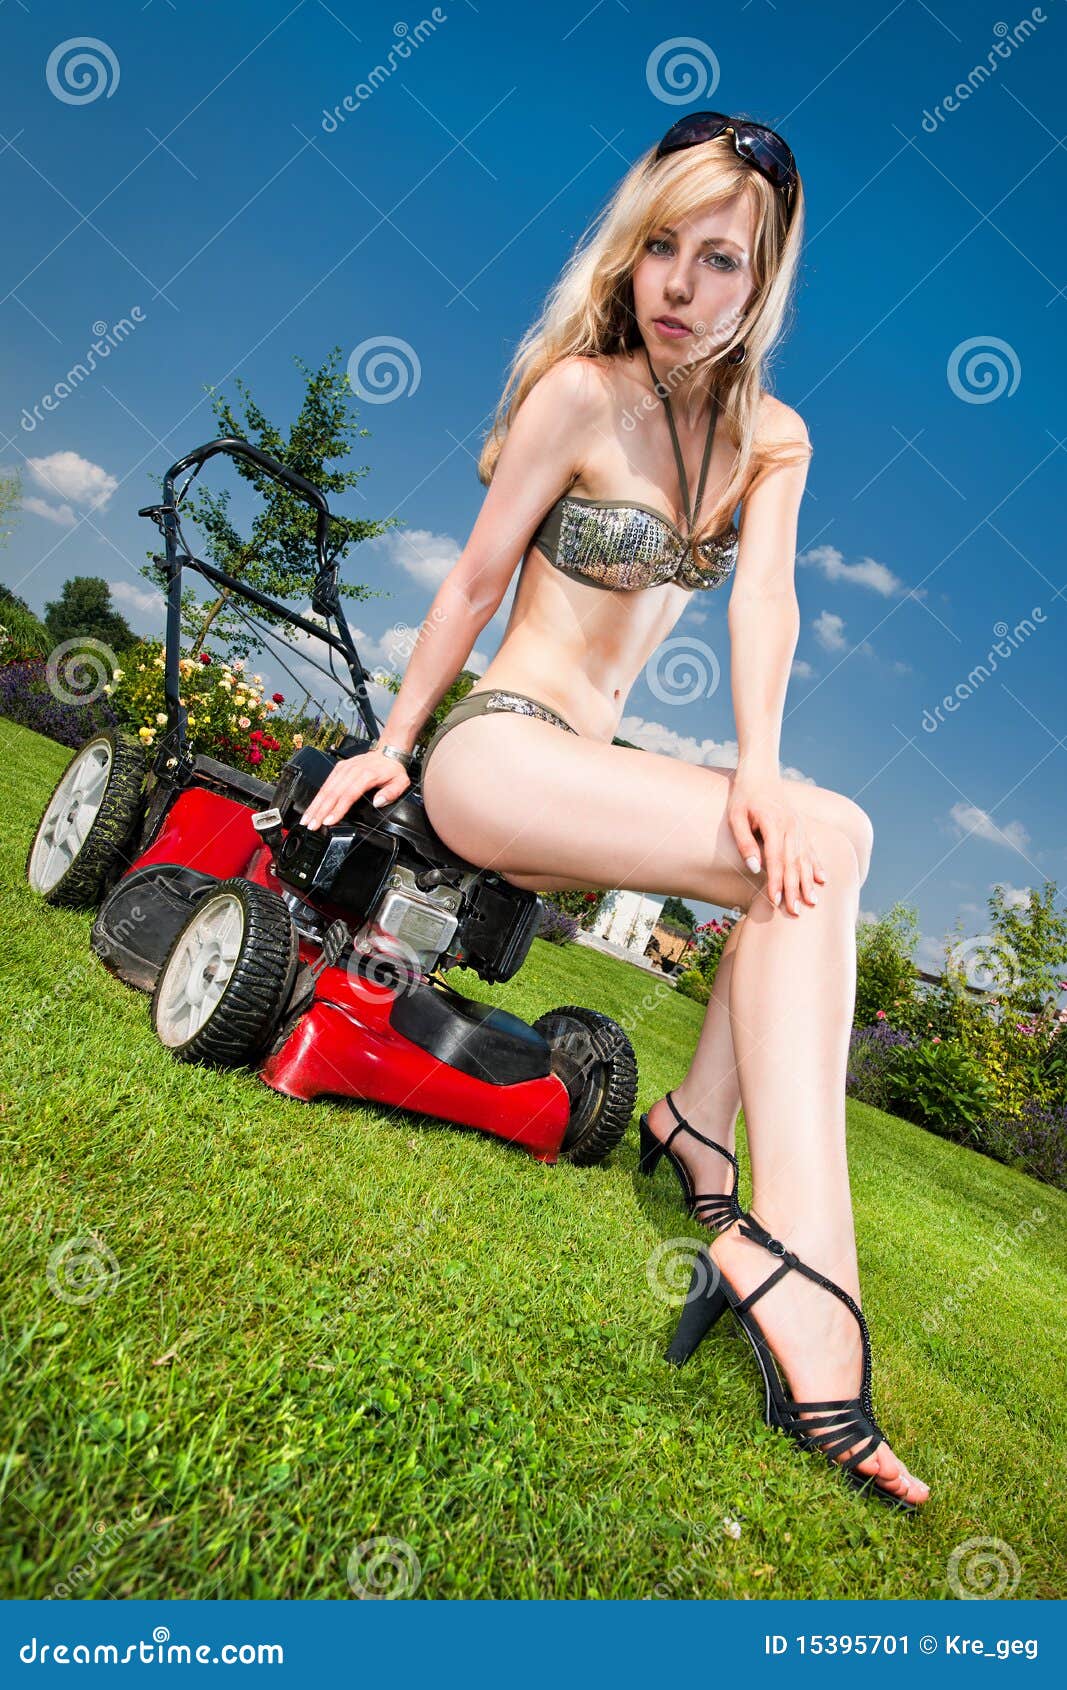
(838, 855)
(859, 828)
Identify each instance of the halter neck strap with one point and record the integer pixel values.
(690, 516)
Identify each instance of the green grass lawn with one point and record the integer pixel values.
(329, 1327)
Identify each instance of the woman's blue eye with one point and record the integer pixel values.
(661, 240)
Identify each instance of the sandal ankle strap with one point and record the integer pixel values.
(684, 1126)
(750, 1227)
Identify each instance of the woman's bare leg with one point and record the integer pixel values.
(709, 1096)
(520, 796)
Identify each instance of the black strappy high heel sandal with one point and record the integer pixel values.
(711, 1208)
(831, 1426)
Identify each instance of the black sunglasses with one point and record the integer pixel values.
(754, 142)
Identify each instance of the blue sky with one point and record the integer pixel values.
(201, 187)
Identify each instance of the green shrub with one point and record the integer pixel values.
(711, 937)
(692, 984)
(22, 636)
(941, 1086)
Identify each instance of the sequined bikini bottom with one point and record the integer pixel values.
(476, 703)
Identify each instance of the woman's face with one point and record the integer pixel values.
(696, 272)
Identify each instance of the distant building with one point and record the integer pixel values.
(628, 919)
(669, 948)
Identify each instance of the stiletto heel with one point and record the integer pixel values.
(651, 1148)
(820, 1428)
(713, 1209)
(705, 1301)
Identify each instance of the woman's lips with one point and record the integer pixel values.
(674, 330)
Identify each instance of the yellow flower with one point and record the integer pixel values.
(161, 718)
(147, 734)
(190, 721)
(298, 740)
(117, 676)
(258, 680)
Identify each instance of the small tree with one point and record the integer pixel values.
(278, 556)
(680, 914)
(885, 974)
(84, 610)
(1026, 951)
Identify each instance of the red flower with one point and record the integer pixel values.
(257, 735)
(255, 757)
(879, 1015)
(278, 697)
(205, 657)
(271, 744)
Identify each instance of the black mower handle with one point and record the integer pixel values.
(237, 448)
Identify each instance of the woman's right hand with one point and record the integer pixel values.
(349, 780)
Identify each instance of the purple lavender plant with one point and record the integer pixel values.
(26, 697)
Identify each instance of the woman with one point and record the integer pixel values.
(657, 331)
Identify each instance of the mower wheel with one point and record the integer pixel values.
(596, 1062)
(227, 977)
(89, 821)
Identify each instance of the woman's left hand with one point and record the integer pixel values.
(759, 805)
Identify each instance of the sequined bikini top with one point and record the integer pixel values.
(618, 544)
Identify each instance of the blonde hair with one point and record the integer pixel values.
(590, 310)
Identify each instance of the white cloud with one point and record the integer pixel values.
(711, 753)
(802, 669)
(1016, 897)
(929, 954)
(60, 514)
(830, 630)
(971, 820)
(69, 476)
(867, 573)
(141, 599)
(426, 556)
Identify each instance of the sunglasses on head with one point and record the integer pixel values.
(754, 142)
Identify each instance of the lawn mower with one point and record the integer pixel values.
(315, 957)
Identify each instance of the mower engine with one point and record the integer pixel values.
(387, 875)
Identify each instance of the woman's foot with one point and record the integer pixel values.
(815, 1337)
(707, 1170)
